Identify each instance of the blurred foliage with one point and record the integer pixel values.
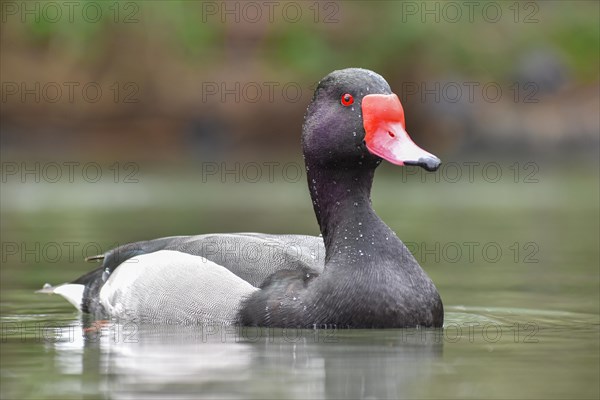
(170, 49)
(376, 34)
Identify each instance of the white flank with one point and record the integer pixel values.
(173, 286)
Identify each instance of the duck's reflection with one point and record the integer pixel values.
(127, 361)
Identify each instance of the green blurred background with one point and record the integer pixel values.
(156, 62)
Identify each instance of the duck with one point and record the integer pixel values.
(357, 274)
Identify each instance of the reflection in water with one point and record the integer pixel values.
(506, 351)
(192, 361)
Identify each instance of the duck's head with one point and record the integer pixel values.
(355, 119)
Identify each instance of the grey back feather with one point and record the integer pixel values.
(251, 256)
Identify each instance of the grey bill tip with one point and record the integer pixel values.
(429, 163)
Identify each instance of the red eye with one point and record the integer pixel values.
(347, 99)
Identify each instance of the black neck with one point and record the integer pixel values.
(342, 202)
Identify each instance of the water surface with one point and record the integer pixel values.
(521, 323)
